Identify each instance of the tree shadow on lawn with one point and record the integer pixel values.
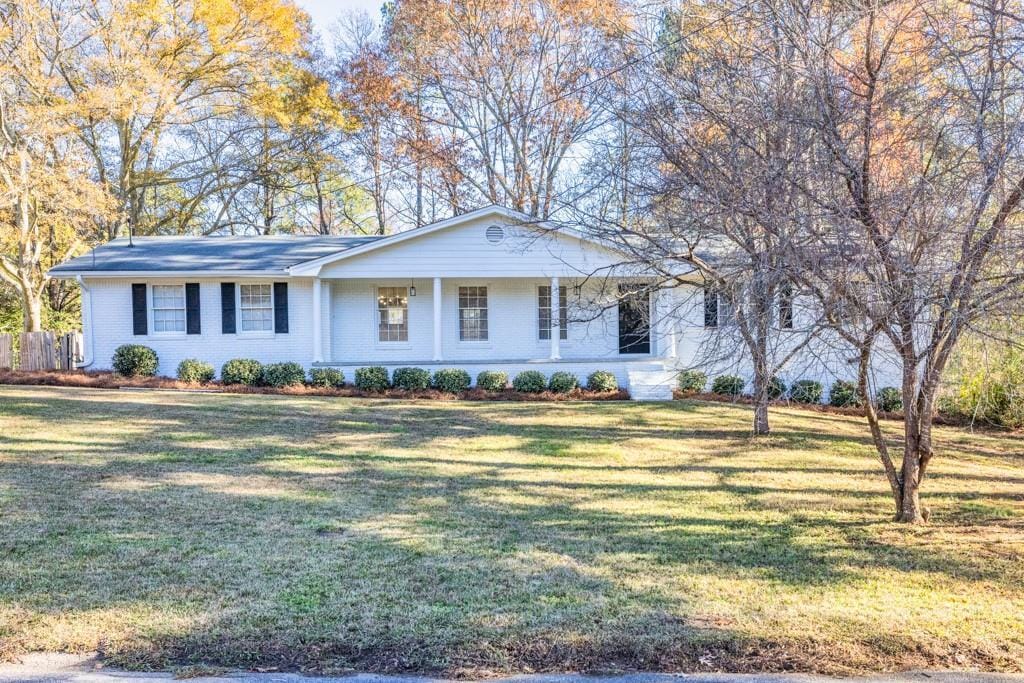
(331, 540)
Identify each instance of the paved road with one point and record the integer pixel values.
(84, 669)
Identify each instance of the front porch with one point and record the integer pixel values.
(508, 324)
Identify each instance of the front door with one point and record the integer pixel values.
(634, 319)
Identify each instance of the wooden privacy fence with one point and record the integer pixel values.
(6, 352)
(41, 351)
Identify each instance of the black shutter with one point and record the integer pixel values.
(710, 307)
(281, 307)
(227, 307)
(192, 308)
(140, 318)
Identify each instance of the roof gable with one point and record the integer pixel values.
(533, 227)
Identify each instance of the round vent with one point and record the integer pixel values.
(495, 234)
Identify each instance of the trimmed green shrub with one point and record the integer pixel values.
(530, 382)
(776, 388)
(843, 394)
(283, 375)
(326, 378)
(806, 391)
(195, 371)
(602, 380)
(242, 371)
(562, 382)
(412, 379)
(133, 360)
(692, 381)
(890, 399)
(372, 378)
(728, 385)
(492, 380)
(452, 380)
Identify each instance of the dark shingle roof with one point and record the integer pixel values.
(270, 253)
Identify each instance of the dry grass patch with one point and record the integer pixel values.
(207, 530)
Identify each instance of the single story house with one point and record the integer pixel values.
(489, 289)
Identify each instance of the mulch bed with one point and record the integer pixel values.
(110, 380)
(939, 419)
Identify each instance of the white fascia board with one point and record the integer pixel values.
(178, 274)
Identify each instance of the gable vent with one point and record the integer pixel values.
(495, 234)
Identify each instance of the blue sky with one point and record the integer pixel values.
(325, 12)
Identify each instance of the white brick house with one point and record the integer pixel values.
(471, 292)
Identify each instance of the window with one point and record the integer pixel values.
(710, 306)
(544, 313)
(257, 308)
(392, 314)
(473, 313)
(786, 306)
(168, 308)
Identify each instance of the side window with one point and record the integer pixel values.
(168, 308)
(392, 314)
(473, 313)
(257, 308)
(544, 313)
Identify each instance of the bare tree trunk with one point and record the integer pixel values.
(32, 308)
(761, 381)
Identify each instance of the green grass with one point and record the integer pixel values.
(166, 529)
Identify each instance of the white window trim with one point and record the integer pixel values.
(151, 309)
(254, 334)
(375, 318)
(536, 318)
(473, 343)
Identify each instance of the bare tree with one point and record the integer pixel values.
(919, 114)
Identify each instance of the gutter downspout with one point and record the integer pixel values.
(86, 315)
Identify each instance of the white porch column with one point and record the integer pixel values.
(328, 324)
(318, 341)
(666, 311)
(556, 317)
(437, 319)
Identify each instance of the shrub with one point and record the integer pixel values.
(602, 380)
(195, 371)
(530, 382)
(413, 379)
(492, 380)
(890, 399)
(843, 394)
(283, 375)
(806, 391)
(133, 360)
(776, 388)
(562, 382)
(372, 378)
(692, 381)
(242, 371)
(452, 380)
(326, 378)
(728, 385)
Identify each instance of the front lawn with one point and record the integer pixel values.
(167, 529)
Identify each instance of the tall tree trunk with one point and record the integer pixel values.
(32, 309)
(761, 382)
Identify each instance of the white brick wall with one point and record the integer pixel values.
(112, 310)
(350, 335)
